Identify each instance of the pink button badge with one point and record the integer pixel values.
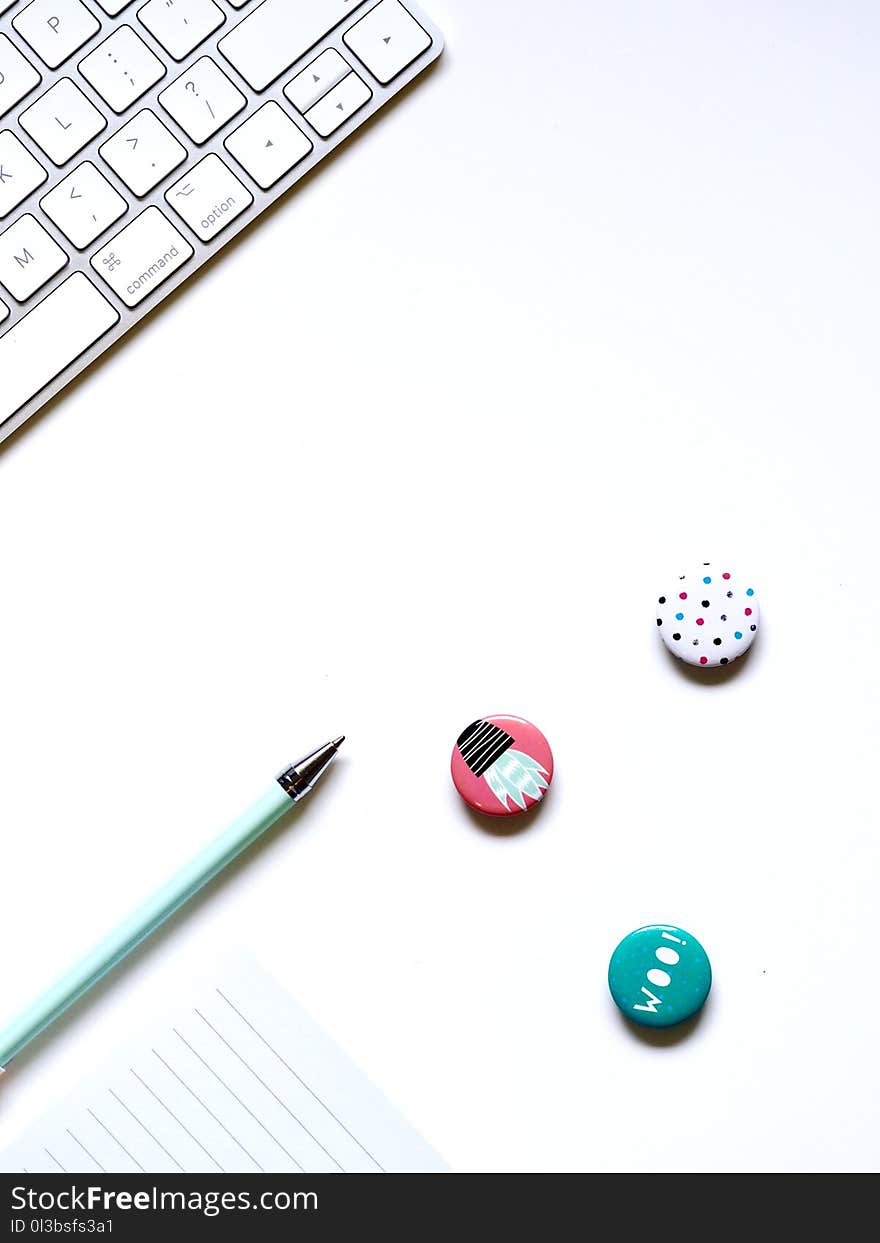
(502, 765)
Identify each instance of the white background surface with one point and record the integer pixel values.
(594, 300)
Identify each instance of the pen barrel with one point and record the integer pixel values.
(249, 826)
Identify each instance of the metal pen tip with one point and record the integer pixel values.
(299, 778)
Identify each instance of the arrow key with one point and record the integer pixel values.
(339, 104)
(268, 145)
(316, 79)
(83, 205)
(387, 39)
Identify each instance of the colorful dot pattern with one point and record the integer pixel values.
(708, 617)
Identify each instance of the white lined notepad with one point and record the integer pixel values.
(240, 1080)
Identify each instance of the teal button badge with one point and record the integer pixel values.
(659, 975)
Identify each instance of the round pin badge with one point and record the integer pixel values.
(659, 975)
(502, 765)
(709, 616)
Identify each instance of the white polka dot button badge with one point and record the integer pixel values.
(708, 617)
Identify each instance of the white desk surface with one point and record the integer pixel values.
(596, 299)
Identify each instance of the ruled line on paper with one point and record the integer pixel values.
(148, 1131)
(323, 1104)
(116, 1141)
(263, 1083)
(274, 1138)
(239, 1080)
(81, 1145)
(210, 1114)
(173, 1115)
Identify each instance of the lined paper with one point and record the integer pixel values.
(241, 1080)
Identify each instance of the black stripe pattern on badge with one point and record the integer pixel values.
(481, 744)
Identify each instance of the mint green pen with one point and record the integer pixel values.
(291, 785)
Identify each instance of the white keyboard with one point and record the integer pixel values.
(138, 136)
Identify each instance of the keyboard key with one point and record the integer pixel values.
(52, 336)
(142, 257)
(28, 258)
(20, 174)
(209, 198)
(55, 29)
(387, 39)
(277, 34)
(122, 68)
(268, 145)
(316, 80)
(339, 104)
(181, 25)
(18, 77)
(143, 152)
(84, 205)
(124, 226)
(202, 100)
(62, 121)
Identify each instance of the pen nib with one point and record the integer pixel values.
(302, 777)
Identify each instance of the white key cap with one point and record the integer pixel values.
(387, 39)
(20, 174)
(209, 198)
(202, 100)
(62, 121)
(122, 68)
(50, 338)
(338, 105)
(28, 258)
(143, 152)
(142, 257)
(83, 205)
(56, 29)
(112, 7)
(18, 77)
(268, 145)
(4, 311)
(316, 79)
(278, 33)
(181, 25)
